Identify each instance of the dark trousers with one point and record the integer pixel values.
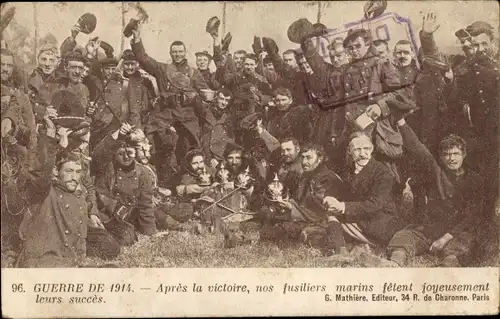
(101, 244)
(414, 242)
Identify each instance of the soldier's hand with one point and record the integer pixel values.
(75, 30)
(195, 189)
(172, 129)
(6, 126)
(259, 127)
(439, 244)
(449, 75)
(214, 163)
(92, 46)
(125, 129)
(373, 111)
(95, 222)
(136, 33)
(284, 204)
(51, 112)
(263, 55)
(91, 109)
(63, 133)
(429, 23)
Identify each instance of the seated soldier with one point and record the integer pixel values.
(289, 119)
(448, 223)
(125, 188)
(367, 210)
(48, 243)
(191, 185)
(285, 159)
(303, 216)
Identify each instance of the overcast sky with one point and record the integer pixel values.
(186, 21)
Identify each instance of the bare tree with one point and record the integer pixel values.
(35, 37)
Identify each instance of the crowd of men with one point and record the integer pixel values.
(96, 150)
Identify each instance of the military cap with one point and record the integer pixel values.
(49, 47)
(71, 113)
(479, 27)
(355, 33)
(87, 23)
(128, 55)
(108, 49)
(108, 61)
(319, 29)
(213, 25)
(203, 53)
(299, 30)
(250, 121)
(252, 56)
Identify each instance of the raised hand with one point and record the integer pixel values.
(430, 24)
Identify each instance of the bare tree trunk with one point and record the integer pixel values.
(319, 13)
(224, 8)
(123, 10)
(35, 22)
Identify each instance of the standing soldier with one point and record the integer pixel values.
(114, 103)
(203, 60)
(44, 80)
(141, 89)
(217, 129)
(163, 72)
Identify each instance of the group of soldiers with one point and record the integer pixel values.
(96, 148)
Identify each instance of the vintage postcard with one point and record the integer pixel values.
(306, 158)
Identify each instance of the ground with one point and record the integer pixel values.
(188, 249)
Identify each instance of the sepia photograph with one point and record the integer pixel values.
(314, 134)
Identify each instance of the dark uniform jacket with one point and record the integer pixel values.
(307, 191)
(369, 201)
(142, 94)
(297, 121)
(133, 188)
(454, 203)
(209, 78)
(216, 132)
(41, 87)
(55, 228)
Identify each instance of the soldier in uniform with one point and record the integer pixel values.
(163, 72)
(330, 124)
(217, 127)
(68, 197)
(117, 102)
(290, 120)
(125, 189)
(44, 80)
(305, 216)
(17, 112)
(141, 89)
(203, 60)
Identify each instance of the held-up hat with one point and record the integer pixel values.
(71, 113)
(299, 30)
(319, 29)
(213, 25)
(355, 33)
(108, 49)
(270, 46)
(478, 27)
(87, 23)
(250, 121)
(203, 53)
(257, 45)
